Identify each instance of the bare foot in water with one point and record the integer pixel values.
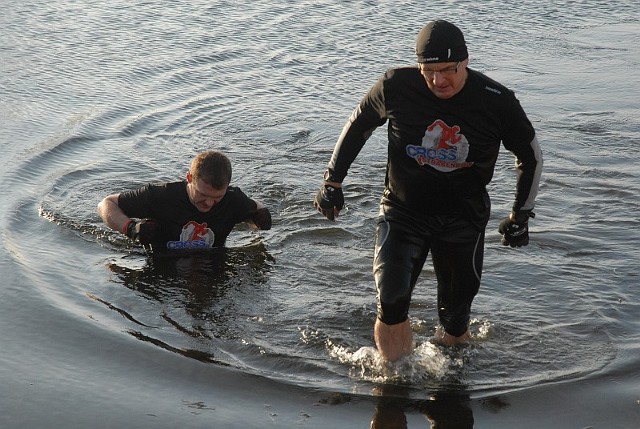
(445, 339)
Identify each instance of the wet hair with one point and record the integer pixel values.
(211, 167)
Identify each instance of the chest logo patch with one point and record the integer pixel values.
(443, 148)
(193, 235)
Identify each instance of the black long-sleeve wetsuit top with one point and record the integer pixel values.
(442, 152)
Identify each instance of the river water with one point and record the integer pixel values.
(276, 331)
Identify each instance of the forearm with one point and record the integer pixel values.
(112, 215)
(528, 173)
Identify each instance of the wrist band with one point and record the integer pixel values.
(126, 226)
(328, 177)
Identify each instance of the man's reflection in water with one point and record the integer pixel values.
(198, 283)
(444, 410)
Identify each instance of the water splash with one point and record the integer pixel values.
(427, 362)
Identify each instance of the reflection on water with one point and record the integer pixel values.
(199, 277)
(443, 410)
(195, 293)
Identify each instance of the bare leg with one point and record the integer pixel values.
(449, 340)
(393, 341)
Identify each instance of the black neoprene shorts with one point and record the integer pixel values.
(457, 252)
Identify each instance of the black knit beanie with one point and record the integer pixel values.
(440, 42)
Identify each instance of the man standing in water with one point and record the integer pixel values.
(196, 213)
(446, 124)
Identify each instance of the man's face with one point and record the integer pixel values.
(445, 79)
(202, 195)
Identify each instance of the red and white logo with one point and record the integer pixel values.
(443, 148)
(194, 231)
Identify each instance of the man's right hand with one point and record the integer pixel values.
(142, 231)
(329, 200)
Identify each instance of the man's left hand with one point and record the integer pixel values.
(329, 200)
(262, 218)
(515, 229)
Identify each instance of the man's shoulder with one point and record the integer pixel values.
(157, 190)
(401, 81)
(160, 188)
(237, 200)
(403, 73)
(235, 193)
(489, 86)
(172, 186)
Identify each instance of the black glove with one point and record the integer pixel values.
(515, 233)
(329, 201)
(262, 218)
(142, 231)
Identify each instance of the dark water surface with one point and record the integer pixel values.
(276, 331)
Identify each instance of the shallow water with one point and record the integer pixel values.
(101, 97)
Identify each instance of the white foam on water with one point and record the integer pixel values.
(428, 362)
